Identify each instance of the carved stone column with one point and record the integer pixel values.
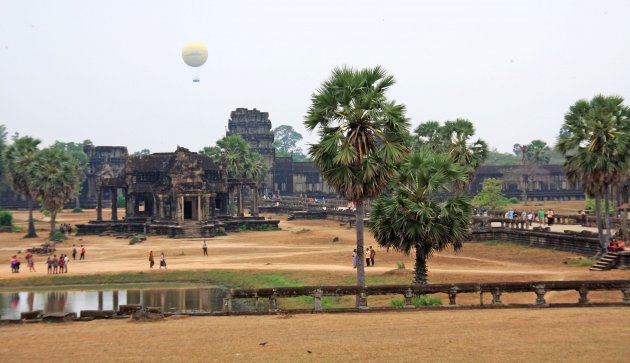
(114, 197)
(131, 205)
(99, 203)
(199, 213)
(254, 201)
(241, 213)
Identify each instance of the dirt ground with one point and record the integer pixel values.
(579, 334)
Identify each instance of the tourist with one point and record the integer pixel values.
(151, 260)
(162, 261)
(372, 255)
(621, 246)
(550, 217)
(55, 263)
(541, 217)
(30, 262)
(74, 252)
(66, 259)
(354, 258)
(49, 262)
(62, 229)
(582, 217)
(367, 257)
(82, 257)
(61, 263)
(14, 264)
(205, 248)
(530, 218)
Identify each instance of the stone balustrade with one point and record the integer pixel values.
(495, 289)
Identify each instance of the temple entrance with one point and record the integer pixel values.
(188, 209)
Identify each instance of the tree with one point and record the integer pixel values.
(142, 152)
(411, 217)
(81, 159)
(55, 177)
(286, 138)
(538, 152)
(362, 137)
(427, 134)
(18, 158)
(3, 146)
(490, 197)
(595, 141)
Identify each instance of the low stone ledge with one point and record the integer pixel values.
(97, 314)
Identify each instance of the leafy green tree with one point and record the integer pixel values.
(538, 152)
(76, 150)
(3, 169)
(142, 152)
(595, 140)
(55, 177)
(490, 197)
(427, 134)
(18, 159)
(286, 138)
(411, 217)
(362, 137)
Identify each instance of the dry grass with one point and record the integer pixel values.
(551, 335)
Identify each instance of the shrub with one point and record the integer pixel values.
(418, 301)
(120, 201)
(513, 200)
(401, 265)
(6, 218)
(77, 210)
(58, 236)
(134, 240)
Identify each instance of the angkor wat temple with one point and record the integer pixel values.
(179, 187)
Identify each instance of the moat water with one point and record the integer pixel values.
(198, 299)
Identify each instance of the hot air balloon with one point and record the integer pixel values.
(195, 55)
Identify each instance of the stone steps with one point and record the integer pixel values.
(606, 262)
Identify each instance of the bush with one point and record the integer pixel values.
(58, 236)
(401, 265)
(134, 240)
(77, 210)
(6, 218)
(513, 200)
(120, 201)
(418, 301)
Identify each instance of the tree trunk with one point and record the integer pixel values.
(421, 270)
(31, 223)
(598, 215)
(360, 249)
(53, 218)
(607, 213)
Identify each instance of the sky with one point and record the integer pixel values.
(112, 72)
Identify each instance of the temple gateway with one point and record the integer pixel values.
(179, 194)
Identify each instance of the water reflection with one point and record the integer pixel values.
(168, 300)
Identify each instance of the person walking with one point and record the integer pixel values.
(151, 260)
(62, 262)
(74, 252)
(372, 255)
(66, 259)
(354, 258)
(49, 263)
(162, 261)
(14, 264)
(205, 248)
(30, 262)
(55, 263)
(367, 257)
(82, 257)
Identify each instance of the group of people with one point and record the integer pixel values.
(58, 265)
(616, 245)
(65, 228)
(370, 254)
(162, 260)
(541, 216)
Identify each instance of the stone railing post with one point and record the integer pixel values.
(540, 295)
(227, 302)
(583, 291)
(626, 294)
(452, 296)
(317, 300)
(496, 296)
(363, 300)
(256, 300)
(273, 302)
(409, 299)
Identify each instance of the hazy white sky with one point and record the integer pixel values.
(111, 71)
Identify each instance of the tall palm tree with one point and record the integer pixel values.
(469, 155)
(19, 157)
(538, 152)
(55, 176)
(362, 136)
(412, 218)
(595, 140)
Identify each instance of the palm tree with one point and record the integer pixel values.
(18, 159)
(469, 155)
(55, 177)
(412, 218)
(595, 141)
(362, 136)
(538, 152)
